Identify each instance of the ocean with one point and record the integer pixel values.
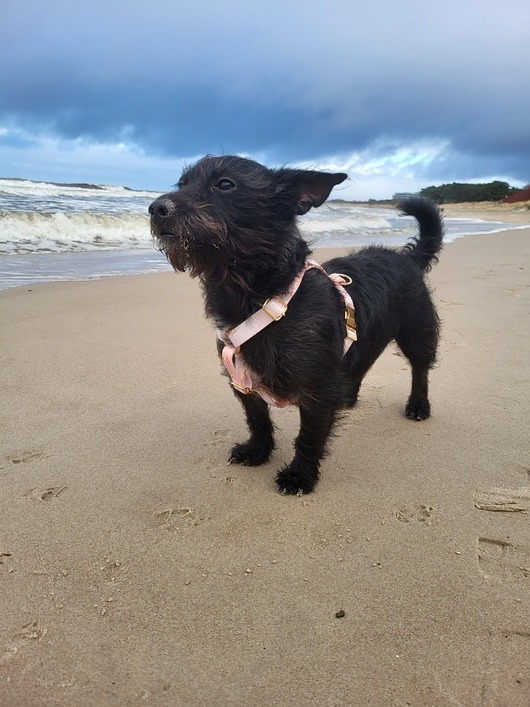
(51, 232)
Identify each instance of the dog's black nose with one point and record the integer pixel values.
(162, 208)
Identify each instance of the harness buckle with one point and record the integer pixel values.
(345, 279)
(269, 302)
(351, 324)
(241, 389)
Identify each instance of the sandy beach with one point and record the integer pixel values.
(518, 212)
(136, 567)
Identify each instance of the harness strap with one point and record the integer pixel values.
(243, 378)
(271, 311)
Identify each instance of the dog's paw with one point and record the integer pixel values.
(249, 454)
(418, 409)
(297, 478)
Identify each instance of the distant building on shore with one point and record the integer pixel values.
(400, 195)
(521, 195)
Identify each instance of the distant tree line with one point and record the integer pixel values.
(455, 192)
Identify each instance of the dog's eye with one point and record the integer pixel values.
(225, 184)
(181, 184)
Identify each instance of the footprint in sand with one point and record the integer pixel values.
(176, 518)
(221, 436)
(243, 483)
(503, 560)
(29, 632)
(23, 457)
(420, 513)
(39, 494)
(503, 500)
(4, 557)
(454, 340)
(32, 631)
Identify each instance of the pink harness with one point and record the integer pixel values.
(243, 378)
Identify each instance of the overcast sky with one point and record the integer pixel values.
(400, 95)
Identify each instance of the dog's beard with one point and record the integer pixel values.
(218, 251)
(193, 243)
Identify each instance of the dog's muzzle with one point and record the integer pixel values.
(161, 211)
(162, 208)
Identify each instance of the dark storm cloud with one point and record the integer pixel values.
(295, 81)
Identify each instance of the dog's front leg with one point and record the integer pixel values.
(258, 448)
(301, 475)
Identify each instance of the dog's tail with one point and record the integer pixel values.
(424, 247)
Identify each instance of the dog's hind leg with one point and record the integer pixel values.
(420, 349)
(301, 475)
(418, 406)
(259, 446)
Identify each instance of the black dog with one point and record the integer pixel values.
(232, 223)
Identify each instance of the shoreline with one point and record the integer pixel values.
(22, 270)
(137, 567)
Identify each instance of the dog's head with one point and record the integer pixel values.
(229, 209)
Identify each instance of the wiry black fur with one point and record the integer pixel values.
(232, 223)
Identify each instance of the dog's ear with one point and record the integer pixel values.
(308, 188)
